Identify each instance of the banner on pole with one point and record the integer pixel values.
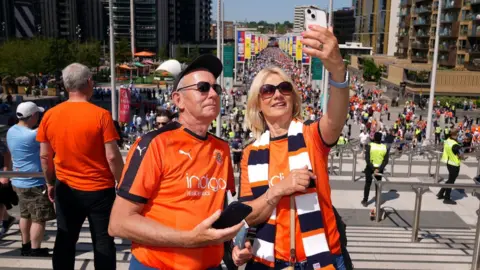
(228, 61)
(124, 105)
(241, 46)
(294, 48)
(299, 53)
(257, 44)
(248, 45)
(252, 45)
(317, 68)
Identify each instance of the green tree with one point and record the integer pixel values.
(24, 56)
(163, 52)
(123, 51)
(89, 54)
(370, 71)
(59, 55)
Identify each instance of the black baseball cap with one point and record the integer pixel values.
(205, 61)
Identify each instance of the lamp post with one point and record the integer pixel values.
(434, 75)
(112, 61)
(219, 117)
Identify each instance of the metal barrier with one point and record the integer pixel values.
(419, 189)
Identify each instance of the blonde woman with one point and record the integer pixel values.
(284, 171)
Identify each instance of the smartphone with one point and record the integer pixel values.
(315, 16)
(241, 237)
(232, 215)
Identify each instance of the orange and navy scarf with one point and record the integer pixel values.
(307, 205)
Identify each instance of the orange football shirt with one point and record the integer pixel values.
(77, 132)
(182, 179)
(279, 170)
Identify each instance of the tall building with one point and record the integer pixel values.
(159, 23)
(19, 19)
(459, 44)
(393, 28)
(344, 25)
(372, 23)
(299, 17)
(228, 30)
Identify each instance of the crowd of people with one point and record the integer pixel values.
(169, 193)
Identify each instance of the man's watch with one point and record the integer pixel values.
(339, 85)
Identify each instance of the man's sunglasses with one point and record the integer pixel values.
(268, 90)
(204, 87)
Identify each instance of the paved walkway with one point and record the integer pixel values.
(446, 236)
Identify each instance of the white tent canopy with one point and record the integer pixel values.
(171, 66)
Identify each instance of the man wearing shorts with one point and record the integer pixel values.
(173, 186)
(35, 207)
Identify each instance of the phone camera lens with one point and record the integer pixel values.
(313, 16)
(309, 11)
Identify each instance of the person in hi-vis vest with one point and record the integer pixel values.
(376, 156)
(438, 131)
(451, 156)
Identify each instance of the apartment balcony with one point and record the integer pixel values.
(404, 23)
(402, 35)
(474, 32)
(457, 4)
(448, 59)
(473, 64)
(421, 34)
(401, 55)
(403, 44)
(419, 58)
(423, 10)
(145, 36)
(445, 47)
(450, 32)
(448, 18)
(121, 9)
(405, 3)
(420, 46)
(403, 13)
(421, 22)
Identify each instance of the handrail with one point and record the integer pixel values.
(418, 188)
(11, 174)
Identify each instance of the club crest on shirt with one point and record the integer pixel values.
(217, 154)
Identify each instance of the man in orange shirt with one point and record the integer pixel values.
(81, 161)
(174, 184)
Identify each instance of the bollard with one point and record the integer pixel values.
(429, 166)
(410, 156)
(456, 119)
(416, 218)
(420, 118)
(437, 168)
(340, 162)
(392, 166)
(354, 165)
(476, 248)
(478, 118)
(377, 200)
(478, 166)
(332, 157)
(388, 116)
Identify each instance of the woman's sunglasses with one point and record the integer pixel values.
(268, 90)
(204, 87)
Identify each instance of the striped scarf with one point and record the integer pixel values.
(307, 205)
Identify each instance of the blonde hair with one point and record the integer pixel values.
(254, 119)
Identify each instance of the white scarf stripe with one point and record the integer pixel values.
(263, 249)
(307, 203)
(258, 172)
(300, 160)
(315, 244)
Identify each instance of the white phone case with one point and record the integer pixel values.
(314, 16)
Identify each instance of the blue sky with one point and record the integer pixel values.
(268, 10)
